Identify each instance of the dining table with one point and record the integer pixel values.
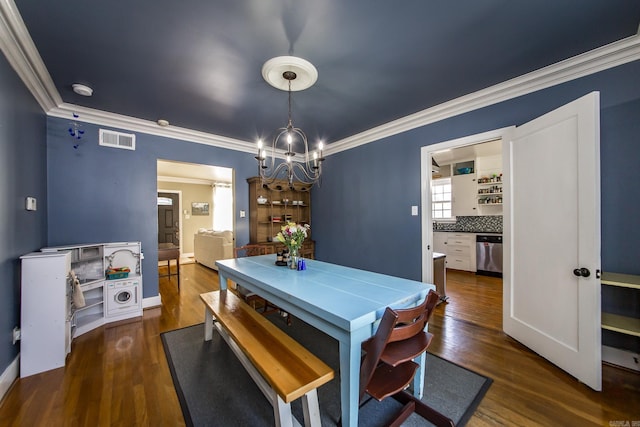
(343, 302)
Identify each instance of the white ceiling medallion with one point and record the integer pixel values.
(273, 70)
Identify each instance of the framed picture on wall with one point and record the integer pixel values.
(199, 208)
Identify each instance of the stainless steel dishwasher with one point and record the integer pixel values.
(489, 255)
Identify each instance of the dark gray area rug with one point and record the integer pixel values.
(215, 390)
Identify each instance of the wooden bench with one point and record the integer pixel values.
(282, 368)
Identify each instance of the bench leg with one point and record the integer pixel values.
(282, 412)
(208, 324)
(311, 409)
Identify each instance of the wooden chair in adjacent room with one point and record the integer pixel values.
(306, 252)
(254, 300)
(388, 368)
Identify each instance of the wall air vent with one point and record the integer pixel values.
(110, 138)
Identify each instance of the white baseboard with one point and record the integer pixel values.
(624, 358)
(9, 376)
(151, 302)
(188, 255)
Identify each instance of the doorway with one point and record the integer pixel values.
(206, 199)
(450, 151)
(547, 250)
(169, 217)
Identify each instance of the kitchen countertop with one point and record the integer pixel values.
(467, 231)
(437, 255)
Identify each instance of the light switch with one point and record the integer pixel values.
(30, 204)
(243, 214)
(414, 211)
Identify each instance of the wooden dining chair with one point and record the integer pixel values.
(254, 300)
(388, 368)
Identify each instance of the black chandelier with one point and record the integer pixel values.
(303, 167)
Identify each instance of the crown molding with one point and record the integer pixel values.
(18, 47)
(21, 52)
(183, 180)
(119, 121)
(596, 60)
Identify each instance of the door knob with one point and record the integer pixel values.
(582, 272)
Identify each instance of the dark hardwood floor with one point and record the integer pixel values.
(118, 375)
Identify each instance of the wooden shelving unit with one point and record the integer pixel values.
(279, 205)
(614, 322)
(629, 326)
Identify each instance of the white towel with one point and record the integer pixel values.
(78, 297)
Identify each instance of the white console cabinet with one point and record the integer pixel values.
(46, 312)
(49, 317)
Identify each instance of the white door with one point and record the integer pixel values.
(552, 227)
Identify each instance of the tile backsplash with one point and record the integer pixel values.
(472, 224)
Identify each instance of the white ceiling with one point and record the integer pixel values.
(468, 152)
(193, 171)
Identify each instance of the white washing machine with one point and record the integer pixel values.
(122, 297)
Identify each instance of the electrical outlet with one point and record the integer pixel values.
(16, 335)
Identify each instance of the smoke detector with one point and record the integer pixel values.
(81, 89)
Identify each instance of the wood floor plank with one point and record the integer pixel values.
(118, 375)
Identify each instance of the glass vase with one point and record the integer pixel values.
(293, 259)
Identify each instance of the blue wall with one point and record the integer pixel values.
(620, 158)
(103, 194)
(22, 173)
(361, 214)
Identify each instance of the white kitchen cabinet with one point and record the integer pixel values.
(440, 241)
(461, 251)
(46, 312)
(464, 190)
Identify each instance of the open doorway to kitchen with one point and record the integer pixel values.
(462, 199)
(190, 197)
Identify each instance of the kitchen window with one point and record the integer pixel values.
(441, 198)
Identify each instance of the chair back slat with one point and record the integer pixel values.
(413, 320)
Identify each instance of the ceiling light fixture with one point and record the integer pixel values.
(81, 89)
(291, 74)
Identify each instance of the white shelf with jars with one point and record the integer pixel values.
(490, 190)
(490, 194)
